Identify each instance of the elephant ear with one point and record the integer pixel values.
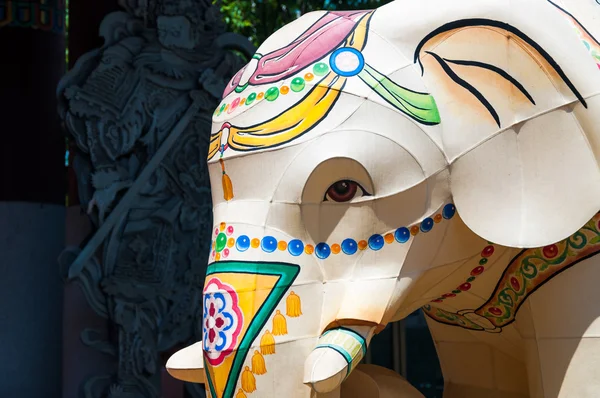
(521, 126)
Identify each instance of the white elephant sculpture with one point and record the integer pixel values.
(440, 154)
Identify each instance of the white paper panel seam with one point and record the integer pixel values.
(585, 137)
(500, 131)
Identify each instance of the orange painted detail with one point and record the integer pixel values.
(389, 238)
(335, 248)
(282, 245)
(309, 249)
(362, 245)
(284, 90)
(414, 230)
(255, 243)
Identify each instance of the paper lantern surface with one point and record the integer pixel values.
(436, 154)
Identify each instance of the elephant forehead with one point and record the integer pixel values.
(313, 78)
(239, 135)
(266, 125)
(363, 133)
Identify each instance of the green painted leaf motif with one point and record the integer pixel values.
(418, 106)
(446, 316)
(591, 225)
(595, 240)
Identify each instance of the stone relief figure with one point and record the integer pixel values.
(120, 104)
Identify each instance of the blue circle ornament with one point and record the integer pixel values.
(295, 247)
(427, 224)
(349, 246)
(376, 242)
(344, 71)
(448, 211)
(242, 243)
(322, 250)
(402, 235)
(268, 244)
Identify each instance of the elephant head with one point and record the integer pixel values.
(359, 153)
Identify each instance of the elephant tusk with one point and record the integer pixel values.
(187, 364)
(337, 353)
(324, 370)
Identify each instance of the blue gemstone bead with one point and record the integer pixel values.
(268, 244)
(295, 247)
(243, 243)
(402, 235)
(376, 242)
(349, 246)
(427, 224)
(449, 211)
(322, 250)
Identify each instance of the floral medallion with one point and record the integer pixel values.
(222, 321)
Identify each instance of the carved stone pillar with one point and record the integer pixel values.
(32, 195)
(139, 110)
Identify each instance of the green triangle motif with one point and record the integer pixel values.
(287, 274)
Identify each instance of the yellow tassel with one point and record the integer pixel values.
(267, 344)
(258, 364)
(279, 324)
(248, 380)
(293, 306)
(240, 394)
(227, 184)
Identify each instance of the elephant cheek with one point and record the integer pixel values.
(372, 301)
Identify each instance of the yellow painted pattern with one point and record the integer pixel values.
(252, 291)
(298, 119)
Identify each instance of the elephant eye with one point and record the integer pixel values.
(344, 191)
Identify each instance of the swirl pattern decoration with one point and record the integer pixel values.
(529, 270)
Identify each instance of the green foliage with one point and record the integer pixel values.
(258, 19)
(67, 34)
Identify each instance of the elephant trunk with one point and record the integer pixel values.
(336, 354)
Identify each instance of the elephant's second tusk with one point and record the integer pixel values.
(338, 351)
(187, 364)
(324, 370)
